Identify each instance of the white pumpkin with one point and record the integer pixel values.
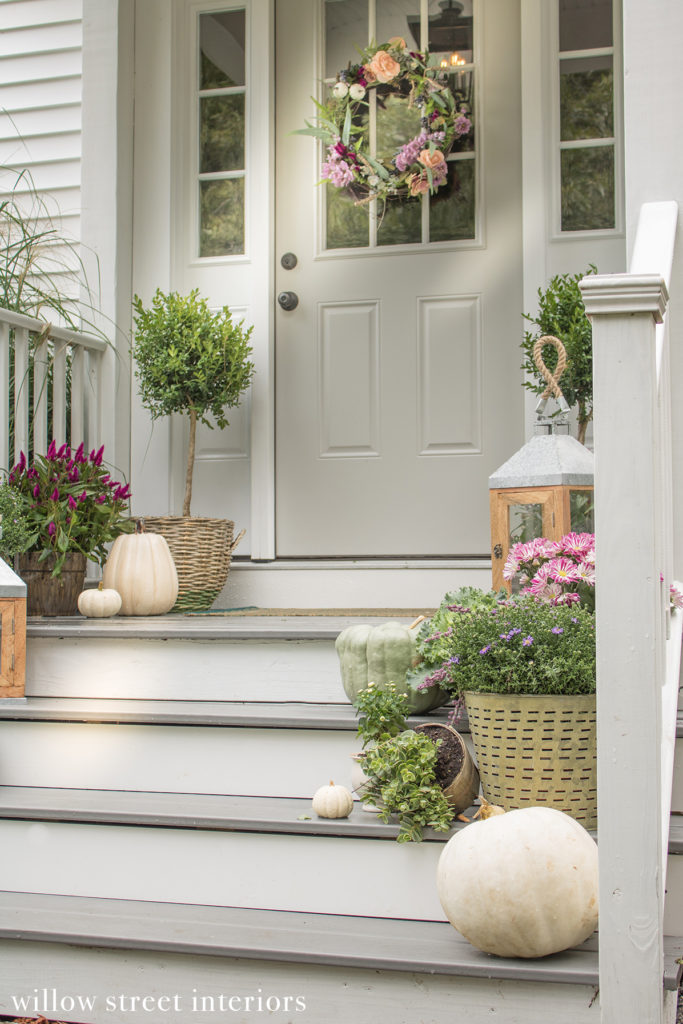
(332, 801)
(99, 603)
(521, 884)
(141, 568)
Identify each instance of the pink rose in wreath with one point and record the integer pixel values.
(384, 67)
(419, 184)
(431, 159)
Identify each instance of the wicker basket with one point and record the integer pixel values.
(537, 750)
(201, 549)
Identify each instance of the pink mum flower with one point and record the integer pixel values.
(562, 570)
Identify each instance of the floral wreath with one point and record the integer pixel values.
(419, 165)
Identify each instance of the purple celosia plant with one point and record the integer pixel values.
(70, 503)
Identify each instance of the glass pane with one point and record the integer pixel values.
(585, 26)
(586, 99)
(526, 522)
(451, 31)
(221, 231)
(346, 30)
(393, 20)
(221, 131)
(221, 45)
(397, 123)
(581, 511)
(451, 209)
(587, 188)
(347, 224)
(401, 222)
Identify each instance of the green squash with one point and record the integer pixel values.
(381, 655)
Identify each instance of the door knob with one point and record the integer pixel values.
(288, 300)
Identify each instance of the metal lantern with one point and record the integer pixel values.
(546, 488)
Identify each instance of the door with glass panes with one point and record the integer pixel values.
(397, 373)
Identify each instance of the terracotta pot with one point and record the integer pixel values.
(47, 595)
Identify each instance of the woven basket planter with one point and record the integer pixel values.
(201, 549)
(48, 596)
(537, 750)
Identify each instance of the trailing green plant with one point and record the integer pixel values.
(14, 526)
(520, 646)
(401, 774)
(190, 360)
(382, 713)
(561, 313)
(70, 503)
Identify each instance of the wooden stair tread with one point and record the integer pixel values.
(374, 943)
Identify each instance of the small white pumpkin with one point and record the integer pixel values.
(99, 603)
(521, 884)
(141, 568)
(332, 801)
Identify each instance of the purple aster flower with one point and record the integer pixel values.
(557, 630)
(527, 641)
(485, 650)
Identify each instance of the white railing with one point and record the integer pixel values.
(55, 370)
(638, 639)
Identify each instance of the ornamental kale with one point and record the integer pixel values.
(520, 646)
(70, 503)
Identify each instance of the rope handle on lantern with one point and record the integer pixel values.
(553, 378)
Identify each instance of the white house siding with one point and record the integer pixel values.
(40, 104)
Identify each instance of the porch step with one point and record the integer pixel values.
(254, 852)
(186, 958)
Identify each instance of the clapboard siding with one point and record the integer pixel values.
(18, 14)
(40, 104)
(40, 38)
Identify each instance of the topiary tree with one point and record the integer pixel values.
(561, 313)
(190, 360)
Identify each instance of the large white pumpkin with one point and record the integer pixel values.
(141, 568)
(521, 884)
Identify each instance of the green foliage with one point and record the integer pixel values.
(561, 313)
(522, 646)
(70, 503)
(190, 358)
(382, 713)
(14, 527)
(402, 781)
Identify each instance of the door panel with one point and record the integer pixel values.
(397, 375)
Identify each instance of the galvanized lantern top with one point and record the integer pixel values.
(549, 459)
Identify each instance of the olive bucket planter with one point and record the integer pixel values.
(48, 595)
(201, 549)
(537, 749)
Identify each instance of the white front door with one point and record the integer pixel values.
(397, 374)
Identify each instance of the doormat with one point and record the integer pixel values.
(405, 613)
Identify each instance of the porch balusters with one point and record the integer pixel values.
(48, 353)
(638, 666)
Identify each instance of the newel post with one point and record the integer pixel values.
(630, 624)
